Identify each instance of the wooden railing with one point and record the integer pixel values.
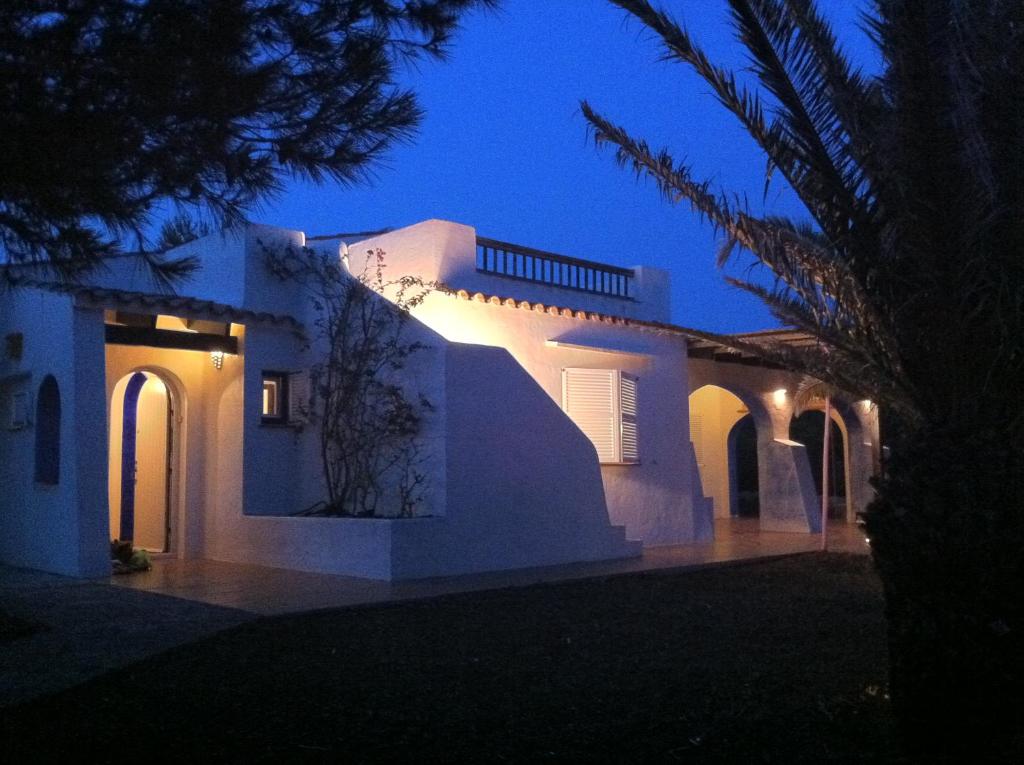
(527, 264)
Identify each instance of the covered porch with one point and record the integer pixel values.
(760, 454)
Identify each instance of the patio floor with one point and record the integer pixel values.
(268, 591)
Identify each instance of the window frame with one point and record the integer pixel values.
(281, 379)
(615, 377)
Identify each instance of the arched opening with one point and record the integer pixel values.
(809, 430)
(744, 493)
(142, 445)
(724, 437)
(47, 455)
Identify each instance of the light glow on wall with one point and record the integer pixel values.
(455, 320)
(779, 397)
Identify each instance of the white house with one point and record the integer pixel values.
(567, 416)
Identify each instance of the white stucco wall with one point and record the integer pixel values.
(523, 482)
(439, 250)
(283, 469)
(254, 476)
(654, 499)
(58, 528)
(513, 499)
(658, 501)
(513, 482)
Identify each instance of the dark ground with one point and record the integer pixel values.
(772, 662)
(13, 626)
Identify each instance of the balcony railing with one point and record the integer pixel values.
(527, 264)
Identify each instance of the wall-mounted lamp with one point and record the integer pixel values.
(217, 357)
(779, 397)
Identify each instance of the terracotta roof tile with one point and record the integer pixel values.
(696, 339)
(172, 304)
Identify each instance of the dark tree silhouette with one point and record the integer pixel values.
(180, 230)
(110, 106)
(910, 274)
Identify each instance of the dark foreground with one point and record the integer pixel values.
(781, 661)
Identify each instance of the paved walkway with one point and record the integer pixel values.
(269, 591)
(90, 628)
(98, 625)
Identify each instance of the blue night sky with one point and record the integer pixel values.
(504, 146)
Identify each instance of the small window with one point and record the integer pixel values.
(287, 398)
(47, 467)
(603, 404)
(275, 396)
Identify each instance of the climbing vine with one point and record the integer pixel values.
(368, 425)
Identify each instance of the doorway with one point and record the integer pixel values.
(724, 438)
(809, 430)
(142, 438)
(744, 490)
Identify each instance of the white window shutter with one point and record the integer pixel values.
(298, 397)
(629, 450)
(588, 397)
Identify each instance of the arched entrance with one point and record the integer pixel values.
(744, 490)
(724, 437)
(143, 443)
(809, 430)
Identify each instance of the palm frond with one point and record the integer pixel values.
(674, 181)
(784, 64)
(910, 264)
(793, 252)
(810, 392)
(824, 99)
(789, 142)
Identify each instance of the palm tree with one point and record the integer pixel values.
(909, 273)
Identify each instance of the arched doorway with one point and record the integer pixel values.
(744, 490)
(142, 444)
(809, 430)
(724, 437)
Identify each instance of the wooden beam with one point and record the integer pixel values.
(169, 338)
(706, 352)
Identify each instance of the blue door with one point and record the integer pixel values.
(128, 430)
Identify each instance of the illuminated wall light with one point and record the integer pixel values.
(217, 357)
(779, 397)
